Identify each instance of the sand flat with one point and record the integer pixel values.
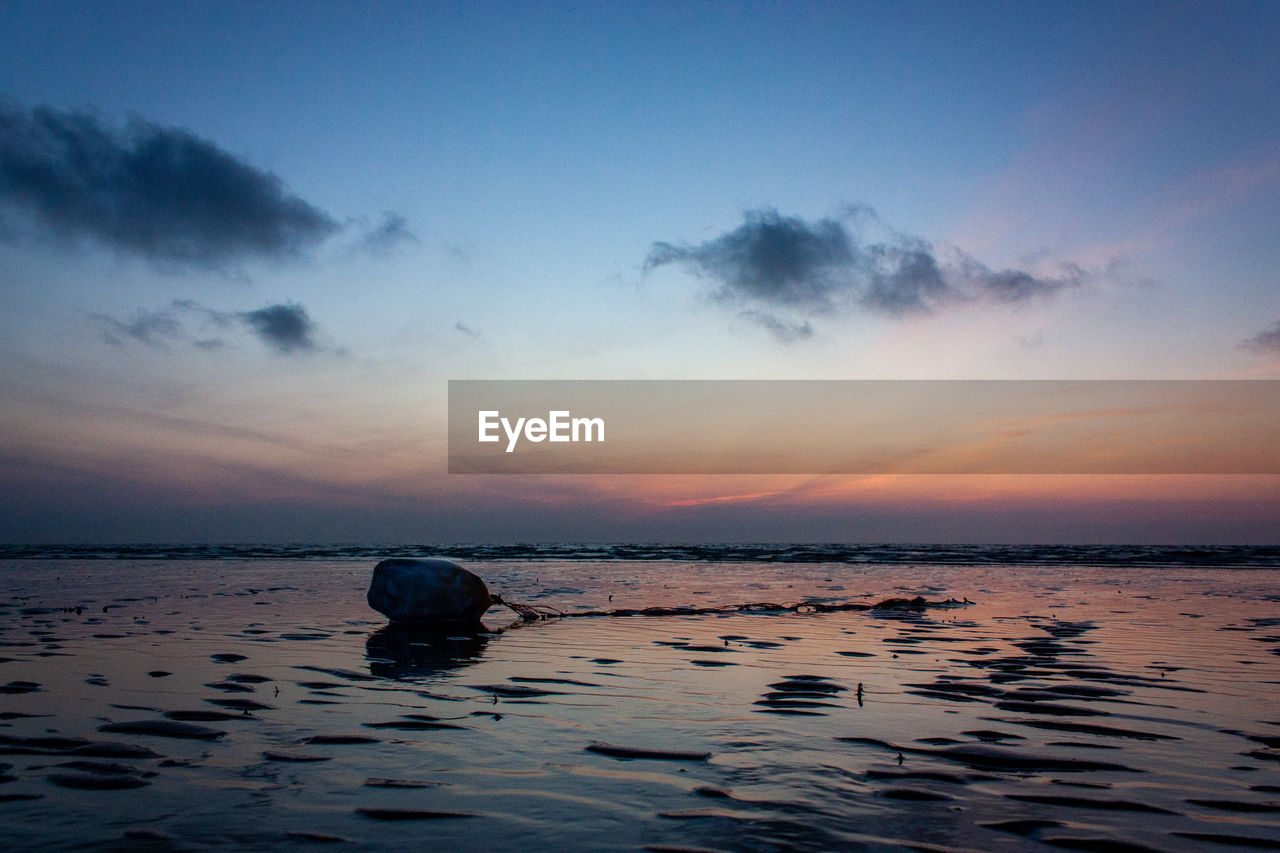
(1136, 700)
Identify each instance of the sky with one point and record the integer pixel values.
(244, 247)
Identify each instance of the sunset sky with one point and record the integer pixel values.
(243, 247)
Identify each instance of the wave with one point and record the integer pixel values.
(1207, 556)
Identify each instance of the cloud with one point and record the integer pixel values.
(390, 233)
(810, 268)
(466, 330)
(286, 328)
(901, 278)
(785, 331)
(1266, 341)
(153, 328)
(770, 258)
(158, 192)
(1013, 286)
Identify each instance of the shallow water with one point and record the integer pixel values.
(1071, 706)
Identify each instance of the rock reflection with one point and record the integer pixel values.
(412, 651)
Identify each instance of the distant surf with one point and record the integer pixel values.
(1204, 556)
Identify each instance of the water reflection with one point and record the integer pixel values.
(412, 651)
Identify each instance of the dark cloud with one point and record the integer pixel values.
(158, 192)
(771, 258)
(809, 268)
(785, 331)
(1012, 286)
(901, 278)
(285, 328)
(1267, 341)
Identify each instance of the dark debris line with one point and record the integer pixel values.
(534, 613)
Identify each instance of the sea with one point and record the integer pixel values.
(202, 697)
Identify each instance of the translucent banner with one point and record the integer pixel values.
(864, 427)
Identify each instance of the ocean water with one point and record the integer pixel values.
(1088, 698)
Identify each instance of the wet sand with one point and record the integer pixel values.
(199, 704)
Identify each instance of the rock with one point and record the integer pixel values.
(427, 591)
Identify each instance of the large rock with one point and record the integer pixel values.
(427, 592)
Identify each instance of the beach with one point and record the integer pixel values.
(251, 699)
(724, 341)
